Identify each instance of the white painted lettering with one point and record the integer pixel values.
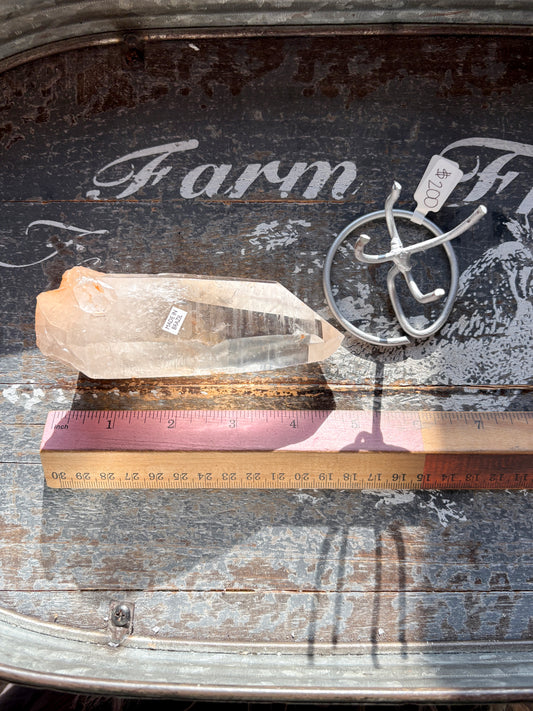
(493, 175)
(208, 179)
(323, 173)
(218, 174)
(137, 179)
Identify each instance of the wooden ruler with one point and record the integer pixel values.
(275, 449)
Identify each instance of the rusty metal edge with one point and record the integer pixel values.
(264, 690)
(137, 36)
(100, 637)
(154, 690)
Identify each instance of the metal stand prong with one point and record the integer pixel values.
(400, 257)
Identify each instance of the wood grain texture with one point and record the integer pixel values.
(307, 619)
(317, 567)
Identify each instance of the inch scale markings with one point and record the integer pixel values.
(281, 449)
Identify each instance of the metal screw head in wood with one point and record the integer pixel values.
(400, 257)
(121, 615)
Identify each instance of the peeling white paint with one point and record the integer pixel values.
(445, 509)
(391, 498)
(514, 492)
(27, 396)
(23, 395)
(59, 396)
(303, 498)
(268, 236)
(11, 394)
(33, 398)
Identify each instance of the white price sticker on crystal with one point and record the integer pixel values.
(175, 320)
(440, 178)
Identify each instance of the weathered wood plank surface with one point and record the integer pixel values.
(249, 567)
(306, 619)
(335, 103)
(301, 540)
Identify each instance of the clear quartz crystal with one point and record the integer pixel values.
(161, 325)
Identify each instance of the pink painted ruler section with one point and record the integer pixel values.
(239, 430)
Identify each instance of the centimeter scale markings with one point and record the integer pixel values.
(274, 449)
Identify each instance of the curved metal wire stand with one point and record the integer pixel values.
(400, 256)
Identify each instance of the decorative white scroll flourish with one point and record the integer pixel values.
(51, 223)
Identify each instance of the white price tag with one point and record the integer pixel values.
(440, 178)
(175, 320)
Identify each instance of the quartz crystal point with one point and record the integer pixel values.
(158, 325)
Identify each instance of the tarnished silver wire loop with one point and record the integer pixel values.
(400, 257)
